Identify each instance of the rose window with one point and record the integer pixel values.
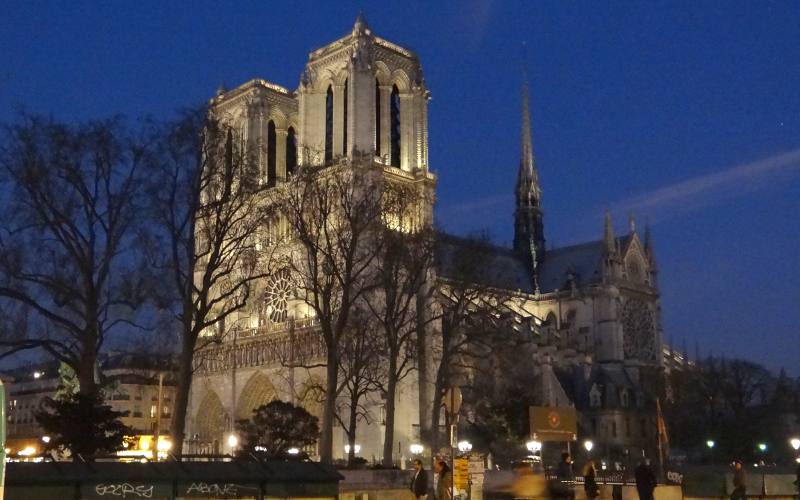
(639, 333)
(279, 292)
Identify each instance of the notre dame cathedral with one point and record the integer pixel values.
(594, 306)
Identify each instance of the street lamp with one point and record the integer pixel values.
(762, 447)
(588, 445)
(293, 451)
(464, 446)
(416, 449)
(233, 442)
(710, 443)
(46, 439)
(795, 442)
(356, 449)
(533, 446)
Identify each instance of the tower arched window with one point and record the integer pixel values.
(395, 126)
(291, 152)
(271, 141)
(344, 122)
(329, 125)
(377, 117)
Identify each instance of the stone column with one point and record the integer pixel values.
(338, 120)
(386, 122)
(407, 142)
(280, 153)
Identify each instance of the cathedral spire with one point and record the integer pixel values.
(609, 242)
(527, 164)
(360, 25)
(528, 225)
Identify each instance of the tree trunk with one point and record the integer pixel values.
(178, 425)
(87, 385)
(326, 433)
(351, 434)
(391, 390)
(436, 415)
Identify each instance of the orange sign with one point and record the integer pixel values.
(552, 423)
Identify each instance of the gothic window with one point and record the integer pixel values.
(635, 271)
(280, 290)
(624, 401)
(395, 126)
(639, 333)
(291, 152)
(271, 140)
(377, 117)
(344, 122)
(595, 397)
(329, 125)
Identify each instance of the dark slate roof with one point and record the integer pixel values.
(477, 261)
(504, 268)
(583, 261)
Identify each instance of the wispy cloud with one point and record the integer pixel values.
(474, 207)
(709, 189)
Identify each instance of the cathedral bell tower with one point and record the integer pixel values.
(528, 225)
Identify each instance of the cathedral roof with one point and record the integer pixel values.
(583, 262)
(506, 269)
(489, 265)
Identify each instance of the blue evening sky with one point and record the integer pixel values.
(683, 113)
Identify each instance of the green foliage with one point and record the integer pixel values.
(82, 425)
(68, 384)
(277, 426)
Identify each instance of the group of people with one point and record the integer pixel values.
(419, 481)
(562, 485)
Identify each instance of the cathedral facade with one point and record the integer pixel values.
(593, 307)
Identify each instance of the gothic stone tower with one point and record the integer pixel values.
(360, 98)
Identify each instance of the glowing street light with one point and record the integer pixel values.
(356, 449)
(534, 446)
(762, 447)
(293, 451)
(464, 446)
(45, 439)
(416, 449)
(233, 441)
(795, 442)
(588, 445)
(710, 443)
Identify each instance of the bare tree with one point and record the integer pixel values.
(472, 315)
(401, 270)
(70, 197)
(333, 214)
(206, 203)
(359, 367)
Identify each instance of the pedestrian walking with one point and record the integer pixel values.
(590, 487)
(645, 480)
(444, 484)
(563, 486)
(739, 479)
(419, 481)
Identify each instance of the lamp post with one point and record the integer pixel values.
(710, 444)
(464, 446)
(233, 442)
(416, 449)
(762, 447)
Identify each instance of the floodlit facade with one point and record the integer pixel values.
(592, 309)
